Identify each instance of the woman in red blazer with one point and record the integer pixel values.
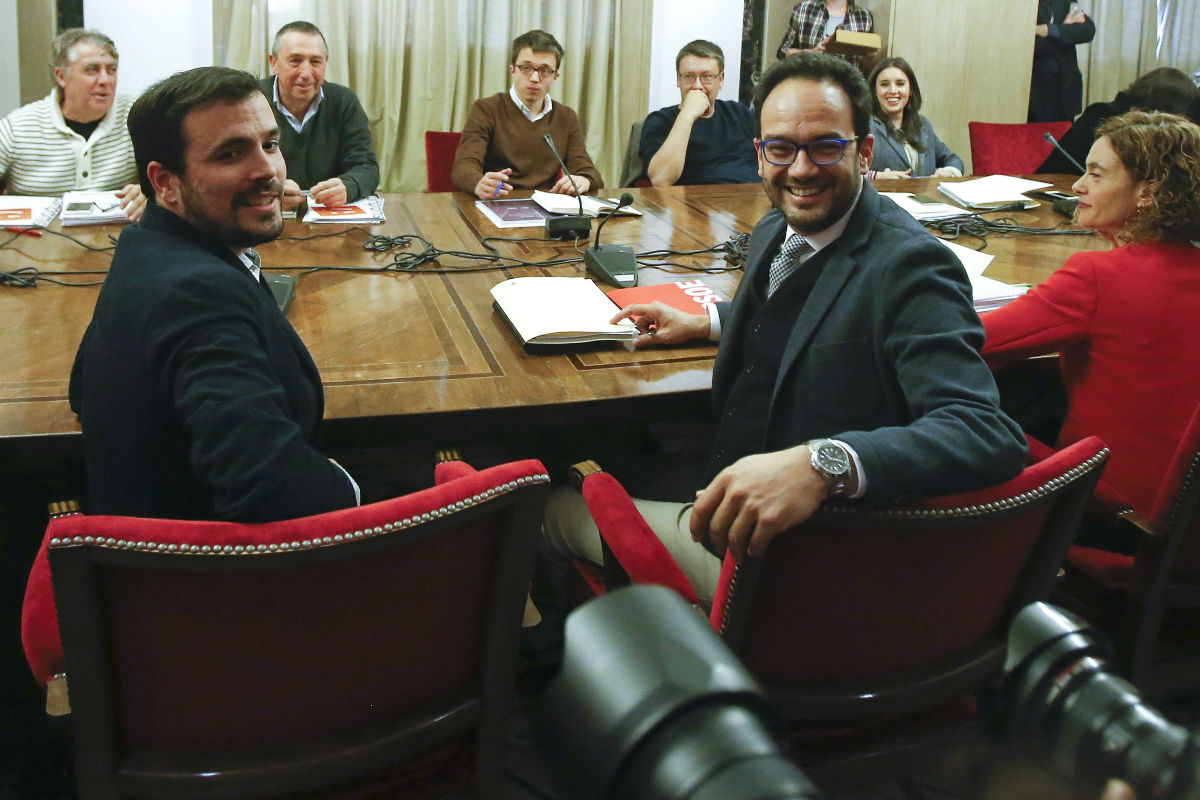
(1126, 322)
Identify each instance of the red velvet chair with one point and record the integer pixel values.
(872, 621)
(440, 147)
(316, 655)
(1011, 149)
(1150, 601)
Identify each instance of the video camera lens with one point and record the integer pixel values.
(651, 705)
(1061, 697)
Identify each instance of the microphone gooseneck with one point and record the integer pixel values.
(626, 199)
(550, 141)
(1054, 143)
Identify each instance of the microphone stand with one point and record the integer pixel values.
(567, 226)
(1054, 143)
(615, 264)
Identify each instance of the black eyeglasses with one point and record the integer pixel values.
(821, 152)
(543, 72)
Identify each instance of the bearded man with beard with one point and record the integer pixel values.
(196, 397)
(849, 362)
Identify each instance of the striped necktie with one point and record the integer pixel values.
(787, 262)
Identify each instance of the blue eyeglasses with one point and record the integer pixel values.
(821, 152)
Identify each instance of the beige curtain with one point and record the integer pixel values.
(418, 65)
(240, 36)
(1179, 34)
(1123, 48)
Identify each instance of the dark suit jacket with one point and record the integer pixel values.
(889, 150)
(197, 398)
(885, 357)
(1056, 88)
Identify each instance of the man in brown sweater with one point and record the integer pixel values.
(502, 144)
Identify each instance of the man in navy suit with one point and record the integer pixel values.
(849, 359)
(197, 398)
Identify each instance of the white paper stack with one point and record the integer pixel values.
(368, 210)
(17, 211)
(91, 208)
(992, 191)
(922, 210)
(988, 293)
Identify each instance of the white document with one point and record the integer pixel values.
(987, 293)
(91, 208)
(920, 210)
(569, 204)
(19, 211)
(991, 191)
(368, 210)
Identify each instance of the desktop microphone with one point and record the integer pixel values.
(568, 226)
(615, 264)
(1049, 138)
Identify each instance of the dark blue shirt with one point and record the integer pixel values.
(721, 149)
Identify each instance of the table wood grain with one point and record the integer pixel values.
(412, 356)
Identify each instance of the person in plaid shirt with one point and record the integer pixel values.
(814, 21)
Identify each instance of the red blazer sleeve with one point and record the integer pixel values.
(1052, 317)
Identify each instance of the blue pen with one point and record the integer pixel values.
(499, 186)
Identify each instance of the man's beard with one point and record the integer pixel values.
(231, 233)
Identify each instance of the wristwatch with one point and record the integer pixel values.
(831, 460)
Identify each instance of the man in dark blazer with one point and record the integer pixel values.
(852, 371)
(197, 398)
(1056, 86)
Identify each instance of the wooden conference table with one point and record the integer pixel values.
(424, 357)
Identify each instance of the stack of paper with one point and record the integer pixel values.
(988, 293)
(368, 210)
(17, 211)
(921, 209)
(569, 204)
(992, 191)
(91, 208)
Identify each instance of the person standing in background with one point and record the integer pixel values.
(1056, 87)
(813, 23)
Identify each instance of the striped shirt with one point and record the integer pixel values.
(809, 22)
(40, 155)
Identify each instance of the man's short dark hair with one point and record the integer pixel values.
(539, 42)
(701, 48)
(156, 118)
(820, 68)
(61, 54)
(299, 26)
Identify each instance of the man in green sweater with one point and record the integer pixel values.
(323, 129)
(502, 144)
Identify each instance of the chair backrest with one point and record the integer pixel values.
(440, 147)
(1011, 149)
(1175, 509)
(220, 659)
(874, 611)
(632, 168)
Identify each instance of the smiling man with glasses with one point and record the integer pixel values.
(502, 145)
(703, 139)
(848, 364)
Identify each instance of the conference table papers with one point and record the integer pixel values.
(988, 293)
(992, 191)
(923, 209)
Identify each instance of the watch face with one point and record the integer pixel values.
(833, 459)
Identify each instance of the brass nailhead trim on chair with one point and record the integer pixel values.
(304, 544)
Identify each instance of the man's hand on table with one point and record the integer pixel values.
(133, 202)
(756, 498)
(563, 185)
(661, 324)
(493, 185)
(331, 192)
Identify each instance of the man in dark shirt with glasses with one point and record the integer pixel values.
(703, 139)
(502, 145)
